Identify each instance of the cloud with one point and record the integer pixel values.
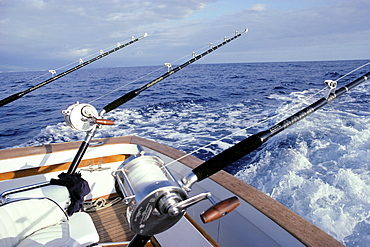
(80, 53)
(66, 30)
(39, 4)
(258, 7)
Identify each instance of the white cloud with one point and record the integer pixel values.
(71, 28)
(258, 7)
(4, 20)
(39, 4)
(78, 52)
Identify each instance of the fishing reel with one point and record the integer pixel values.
(83, 117)
(156, 201)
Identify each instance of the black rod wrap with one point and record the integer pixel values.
(139, 241)
(16, 96)
(123, 99)
(253, 142)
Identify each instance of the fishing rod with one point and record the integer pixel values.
(130, 95)
(250, 144)
(84, 117)
(18, 95)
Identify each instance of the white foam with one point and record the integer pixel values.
(319, 167)
(324, 174)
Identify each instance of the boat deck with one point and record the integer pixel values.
(112, 225)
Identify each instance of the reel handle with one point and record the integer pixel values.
(104, 122)
(220, 209)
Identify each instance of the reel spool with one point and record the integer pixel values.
(81, 116)
(151, 191)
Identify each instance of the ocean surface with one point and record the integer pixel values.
(319, 167)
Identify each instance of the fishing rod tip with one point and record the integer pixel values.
(145, 34)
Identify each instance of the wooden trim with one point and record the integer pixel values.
(60, 167)
(300, 228)
(56, 147)
(201, 230)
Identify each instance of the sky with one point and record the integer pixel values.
(49, 34)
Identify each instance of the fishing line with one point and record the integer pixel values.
(160, 68)
(263, 121)
(142, 77)
(67, 65)
(125, 85)
(243, 130)
(340, 78)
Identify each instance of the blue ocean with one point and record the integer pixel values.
(319, 167)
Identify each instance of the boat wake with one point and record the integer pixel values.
(320, 169)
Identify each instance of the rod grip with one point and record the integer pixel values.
(220, 209)
(9, 99)
(227, 157)
(121, 100)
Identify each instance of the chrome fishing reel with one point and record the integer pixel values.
(156, 201)
(80, 116)
(83, 117)
(150, 190)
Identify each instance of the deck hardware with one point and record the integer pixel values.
(92, 169)
(96, 143)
